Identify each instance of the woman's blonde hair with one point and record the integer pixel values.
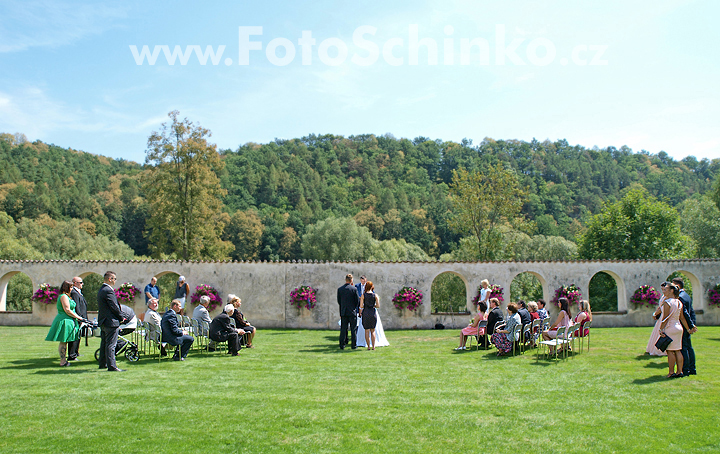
(533, 306)
(585, 305)
(232, 297)
(484, 281)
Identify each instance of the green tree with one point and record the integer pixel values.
(448, 293)
(337, 239)
(244, 231)
(484, 201)
(637, 227)
(700, 220)
(184, 192)
(397, 251)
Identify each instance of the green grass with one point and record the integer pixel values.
(296, 392)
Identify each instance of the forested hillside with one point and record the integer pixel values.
(396, 188)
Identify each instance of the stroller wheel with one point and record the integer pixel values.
(97, 355)
(131, 354)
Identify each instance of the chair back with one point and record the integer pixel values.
(535, 324)
(481, 324)
(205, 328)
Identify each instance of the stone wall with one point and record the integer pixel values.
(265, 286)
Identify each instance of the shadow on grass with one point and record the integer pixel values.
(662, 365)
(48, 366)
(714, 339)
(649, 380)
(326, 348)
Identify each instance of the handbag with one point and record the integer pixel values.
(663, 342)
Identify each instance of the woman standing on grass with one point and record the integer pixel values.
(369, 302)
(672, 316)
(65, 327)
(651, 349)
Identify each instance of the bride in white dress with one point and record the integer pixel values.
(380, 339)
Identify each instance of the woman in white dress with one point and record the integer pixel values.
(380, 339)
(651, 349)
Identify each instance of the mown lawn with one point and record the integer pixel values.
(296, 392)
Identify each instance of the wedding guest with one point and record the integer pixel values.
(495, 316)
(583, 316)
(563, 320)
(687, 349)
(221, 330)
(152, 290)
(81, 310)
(673, 322)
(201, 313)
(369, 302)
(525, 318)
(173, 334)
(240, 321)
(485, 292)
(533, 308)
(182, 290)
(504, 338)
(65, 326)
(542, 312)
(472, 329)
(651, 349)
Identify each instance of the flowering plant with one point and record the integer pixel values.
(210, 292)
(714, 295)
(126, 292)
(303, 296)
(408, 298)
(46, 294)
(571, 292)
(646, 295)
(495, 292)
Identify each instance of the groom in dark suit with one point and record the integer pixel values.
(109, 319)
(348, 300)
(80, 309)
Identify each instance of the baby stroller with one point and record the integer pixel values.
(124, 345)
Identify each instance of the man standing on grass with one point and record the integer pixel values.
(152, 290)
(348, 300)
(687, 349)
(81, 310)
(109, 319)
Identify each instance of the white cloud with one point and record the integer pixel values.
(30, 24)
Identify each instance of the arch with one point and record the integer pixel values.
(167, 280)
(695, 289)
(535, 295)
(10, 286)
(445, 288)
(600, 290)
(92, 283)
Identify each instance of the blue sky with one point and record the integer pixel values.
(598, 73)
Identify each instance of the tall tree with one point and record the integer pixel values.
(184, 192)
(483, 201)
(637, 227)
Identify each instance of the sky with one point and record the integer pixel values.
(644, 74)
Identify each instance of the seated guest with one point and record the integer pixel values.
(240, 321)
(201, 313)
(472, 329)
(542, 312)
(152, 317)
(503, 339)
(563, 320)
(533, 308)
(173, 335)
(525, 317)
(584, 316)
(495, 316)
(221, 330)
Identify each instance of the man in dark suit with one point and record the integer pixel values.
(81, 310)
(109, 319)
(687, 349)
(349, 301)
(221, 330)
(172, 334)
(361, 286)
(494, 317)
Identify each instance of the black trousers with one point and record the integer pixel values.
(232, 339)
(108, 343)
(348, 322)
(688, 354)
(73, 349)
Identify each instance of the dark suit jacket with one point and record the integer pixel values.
(220, 325)
(348, 300)
(80, 303)
(495, 316)
(358, 287)
(525, 317)
(688, 310)
(171, 332)
(108, 308)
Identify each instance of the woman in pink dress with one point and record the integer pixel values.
(472, 329)
(651, 349)
(584, 316)
(563, 320)
(672, 317)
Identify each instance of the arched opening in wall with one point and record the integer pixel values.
(91, 284)
(18, 290)
(526, 286)
(690, 281)
(448, 293)
(167, 282)
(603, 293)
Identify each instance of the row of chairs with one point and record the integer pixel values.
(565, 339)
(532, 331)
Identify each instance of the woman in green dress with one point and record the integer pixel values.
(65, 327)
